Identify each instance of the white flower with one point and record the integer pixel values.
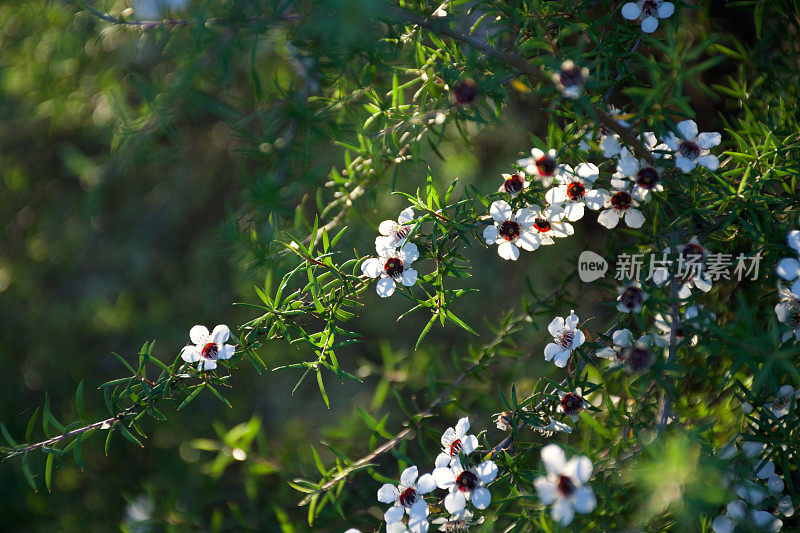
(691, 267)
(663, 324)
(552, 426)
(394, 233)
(788, 269)
(692, 148)
(543, 166)
(407, 497)
(575, 191)
(455, 441)
(620, 204)
(566, 337)
(571, 403)
(569, 80)
(609, 141)
(458, 521)
(649, 11)
(548, 224)
(793, 238)
(514, 184)
(564, 486)
(784, 400)
(511, 231)
(465, 484)
(635, 355)
(644, 178)
(788, 312)
(392, 266)
(631, 298)
(208, 347)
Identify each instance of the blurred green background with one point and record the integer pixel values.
(135, 169)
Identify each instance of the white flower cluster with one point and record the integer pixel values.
(454, 472)
(788, 308)
(395, 255)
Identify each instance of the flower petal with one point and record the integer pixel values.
(388, 493)
(551, 350)
(708, 139)
(686, 165)
(594, 199)
(385, 246)
(190, 354)
(394, 514)
(385, 287)
(622, 337)
(788, 268)
(490, 234)
(608, 218)
(529, 241)
(631, 11)
(561, 358)
(387, 227)
(553, 458)
(409, 277)
(199, 334)
(500, 211)
(454, 502)
(220, 334)
(634, 218)
(481, 498)
(687, 129)
(372, 267)
(426, 484)
(469, 444)
(666, 9)
(574, 211)
(649, 25)
(584, 500)
(408, 253)
(444, 477)
(545, 489)
(462, 426)
(508, 250)
(556, 326)
(406, 215)
(486, 472)
(710, 161)
(409, 476)
(580, 468)
(226, 352)
(562, 512)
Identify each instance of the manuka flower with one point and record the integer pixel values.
(635, 355)
(793, 238)
(543, 166)
(620, 204)
(631, 298)
(571, 403)
(564, 486)
(692, 148)
(785, 399)
(691, 269)
(464, 484)
(566, 337)
(551, 426)
(609, 141)
(407, 497)
(575, 191)
(208, 347)
(648, 11)
(548, 224)
(514, 184)
(570, 79)
(455, 441)
(392, 266)
(394, 233)
(642, 177)
(511, 231)
(458, 521)
(789, 269)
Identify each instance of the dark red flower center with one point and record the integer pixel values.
(571, 403)
(509, 230)
(571, 77)
(692, 252)
(650, 8)
(408, 497)
(209, 350)
(546, 165)
(689, 150)
(455, 447)
(465, 91)
(647, 178)
(393, 267)
(467, 481)
(565, 485)
(632, 297)
(566, 339)
(637, 359)
(542, 225)
(514, 183)
(621, 201)
(575, 190)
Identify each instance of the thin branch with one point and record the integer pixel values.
(665, 405)
(174, 23)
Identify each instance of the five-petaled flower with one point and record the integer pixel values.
(208, 348)
(514, 184)
(464, 484)
(570, 79)
(609, 141)
(692, 148)
(571, 403)
(564, 486)
(788, 312)
(548, 223)
(407, 497)
(691, 271)
(620, 204)
(392, 266)
(639, 174)
(394, 233)
(542, 165)
(575, 191)
(634, 355)
(511, 231)
(566, 337)
(456, 441)
(631, 298)
(648, 11)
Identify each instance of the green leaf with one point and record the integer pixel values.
(191, 396)
(7, 435)
(79, 400)
(48, 472)
(322, 388)
(26, 470)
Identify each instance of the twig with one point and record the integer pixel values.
(173, 23)
(665, 405)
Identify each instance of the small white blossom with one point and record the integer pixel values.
(643, 177)
(511, 231)
(793, 238)
(564, 487)
(788, 312)
(392, 266)
(458, 521)
(691, 267)
(620, 204)
(407, 497)
(634, 355)
(541, 165)
(788, 269)
(609, 141)
(570, 79)
(552, 426)
(465, 484)
(566, 336)
(394, 233)
(630, 298)
(784, 400)
(514, 184)
(548, 224)
(648, 11)
(575, 191)
(692, 148)
(456, 440)
(208, 348)
(571, 403)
